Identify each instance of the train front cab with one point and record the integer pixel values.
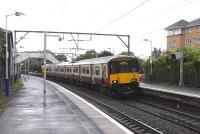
(123, 75)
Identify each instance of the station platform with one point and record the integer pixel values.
(172, 89)
(64, 112)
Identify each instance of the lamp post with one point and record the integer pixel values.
(7, 79)
(45, 66)
(151, 57)
(112, 50)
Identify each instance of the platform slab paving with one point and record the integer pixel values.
(186, 91)
(26, 114)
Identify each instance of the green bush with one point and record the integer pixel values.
(167, 70)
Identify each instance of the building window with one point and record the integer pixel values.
(198, 41)
(172, 44)
(198, 28)
(189, 41)
(174, 32)
(177, 31)
(188, 30)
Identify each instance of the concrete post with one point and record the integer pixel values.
(44, 70)
(181, 83)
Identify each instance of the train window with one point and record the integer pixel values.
(97, 70)
(133, 66)
(67, 69)
(104, 71)
(92, 70)
(87, 70)
(70, 69)
(75, 69)
(114, 67)
(83, 70)
(61, 70)
(123, 67)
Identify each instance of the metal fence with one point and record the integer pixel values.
(171, 74)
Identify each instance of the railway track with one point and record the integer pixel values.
(191, 123)
(188, 121)
(131, 123)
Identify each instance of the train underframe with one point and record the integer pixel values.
(112, 90)
(124, 89)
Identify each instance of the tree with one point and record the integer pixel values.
(156, 52)
(104, 53)
(88, 55)
(61, 57)
(126, 53)
(2, 42)
(35, 65)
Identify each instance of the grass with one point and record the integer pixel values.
(13, 89)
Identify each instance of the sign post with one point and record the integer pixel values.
(179, 56)
(44, 72)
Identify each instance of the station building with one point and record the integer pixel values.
(183, 34)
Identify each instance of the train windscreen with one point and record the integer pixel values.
(123, 66)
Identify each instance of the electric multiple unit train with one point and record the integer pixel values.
(115, 74)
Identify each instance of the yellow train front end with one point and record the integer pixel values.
(124, 75)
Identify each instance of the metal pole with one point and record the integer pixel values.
(151, 62)
(28, 63)
(128, 44)
(25, 67)
(44, 71)
(20, 70)
(15, 54)
(181, 70)
(7, 79)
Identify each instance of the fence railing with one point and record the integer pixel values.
(171, 76)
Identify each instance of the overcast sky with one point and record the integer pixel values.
(100, 16)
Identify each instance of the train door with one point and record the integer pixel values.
(79, 68)
(114, 72)
(92, 74)
(104, 73)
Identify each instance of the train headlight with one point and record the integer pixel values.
(115, 81)
(133, 80)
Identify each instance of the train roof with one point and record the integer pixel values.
(101, 59)
(63, 64)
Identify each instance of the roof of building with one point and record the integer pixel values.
(179, 24)
(183, 24)
(194, 22)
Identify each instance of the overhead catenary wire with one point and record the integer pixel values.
(168, 10)
(123, 15)
(147, 33)
(173, 8)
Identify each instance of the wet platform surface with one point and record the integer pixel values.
(185, 91)
(63, 113)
